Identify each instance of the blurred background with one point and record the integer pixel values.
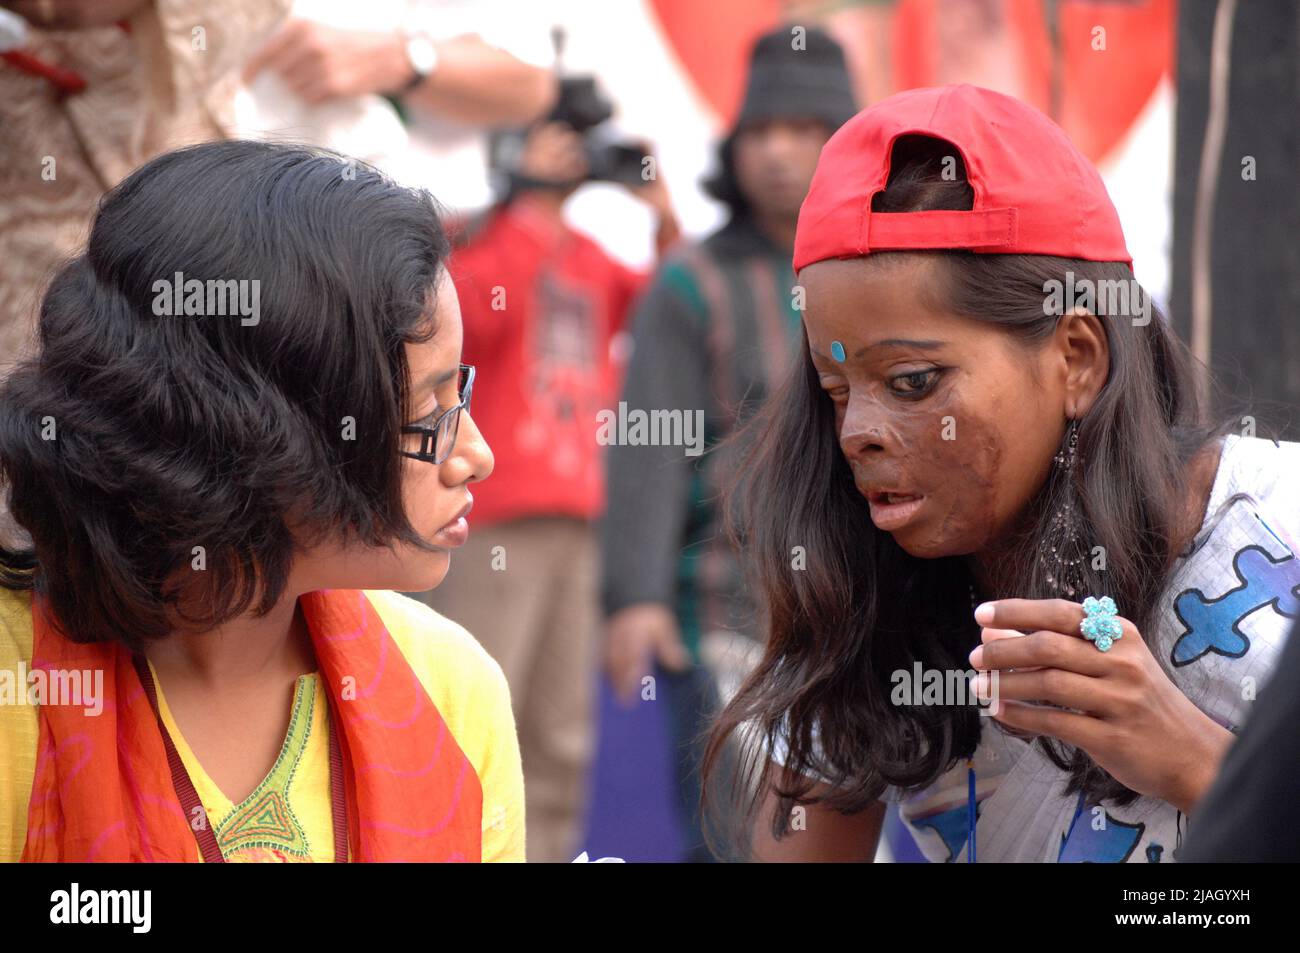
(571, 142)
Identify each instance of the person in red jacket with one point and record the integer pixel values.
(543, 306)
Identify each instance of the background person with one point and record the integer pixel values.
(457, 69)
(543, 305)
(714, 332)
(100, 88)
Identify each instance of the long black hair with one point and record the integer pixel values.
(137, 444)
(863, 607)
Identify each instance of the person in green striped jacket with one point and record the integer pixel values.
(711, 335)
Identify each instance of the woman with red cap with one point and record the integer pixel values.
(992, 463)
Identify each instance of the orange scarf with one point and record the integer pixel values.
(103, 790)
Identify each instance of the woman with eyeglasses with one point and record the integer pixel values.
(247, 425)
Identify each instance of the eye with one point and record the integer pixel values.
(835, 388)
(918, 383)
(428, 419)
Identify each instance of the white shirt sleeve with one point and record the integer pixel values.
(519, 27)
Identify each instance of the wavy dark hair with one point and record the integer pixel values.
(247, 439)
(864, 608)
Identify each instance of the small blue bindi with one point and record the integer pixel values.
(837, 350)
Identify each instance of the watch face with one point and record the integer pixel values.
(423, 57)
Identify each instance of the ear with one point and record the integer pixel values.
(1081, 336)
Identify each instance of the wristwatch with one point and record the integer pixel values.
(423, 57)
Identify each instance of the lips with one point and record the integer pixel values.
(892, 509)
(462, 513)
(456, 532)
(886, 497)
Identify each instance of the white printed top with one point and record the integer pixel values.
(1227, 611)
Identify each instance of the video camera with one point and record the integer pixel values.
(584, 108)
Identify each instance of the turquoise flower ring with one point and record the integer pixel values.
(1100, 625)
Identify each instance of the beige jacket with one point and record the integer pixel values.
(166, 81)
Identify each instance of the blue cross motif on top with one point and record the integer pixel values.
(1085, 844)
(951, 826)
(1213, 625)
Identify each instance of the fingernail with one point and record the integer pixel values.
(984, 613)
(980, 685)
(977, 657)
(989, 634)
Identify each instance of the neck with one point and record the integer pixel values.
(247, 648)
(994, 568)
(983, 568)
(777, 228)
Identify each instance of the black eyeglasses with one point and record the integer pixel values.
(439, 438)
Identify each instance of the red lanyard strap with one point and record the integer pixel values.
(338, 797)
(64, 80)
(189, 798)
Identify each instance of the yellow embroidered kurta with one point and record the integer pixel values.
(288, 817)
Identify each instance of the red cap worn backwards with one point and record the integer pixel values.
(1035, 193)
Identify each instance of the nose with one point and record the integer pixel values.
(865, 429)
(471, 459)
(778, 145)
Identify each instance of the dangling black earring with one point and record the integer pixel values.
(1063, 552)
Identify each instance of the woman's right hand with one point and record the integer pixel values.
(635, 638)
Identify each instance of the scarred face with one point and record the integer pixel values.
(949, 424)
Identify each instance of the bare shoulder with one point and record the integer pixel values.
(1201, 476)
(822, 833)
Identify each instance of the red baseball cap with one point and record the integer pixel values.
(1035, 193)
